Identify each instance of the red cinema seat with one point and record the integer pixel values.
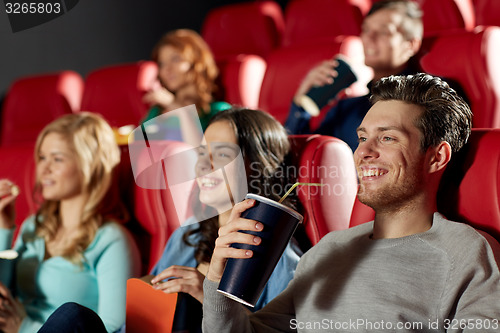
(446, 16)
(307, 20)
(116, 92)
(241, 36)
(329, 161)
(287, 67)
(164, 177)
(241, 78)
(18, 165)
(363, 5)
(470, 189)
(254, 27)
(34, 101)
(487, 12)
(471, 58)
(361, 213)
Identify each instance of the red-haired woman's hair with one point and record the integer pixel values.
(195, 50)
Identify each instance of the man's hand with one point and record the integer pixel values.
(320, 75)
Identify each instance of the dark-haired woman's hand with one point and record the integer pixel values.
(180, 279)
(230, 234)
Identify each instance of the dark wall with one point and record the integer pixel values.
(95, 33)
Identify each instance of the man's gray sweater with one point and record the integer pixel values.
(445, 279)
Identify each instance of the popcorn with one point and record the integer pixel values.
(14, 190)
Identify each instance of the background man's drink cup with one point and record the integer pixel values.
(317, 97)
(244, 279)
(7, 266)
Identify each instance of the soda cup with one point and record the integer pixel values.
(244, 279)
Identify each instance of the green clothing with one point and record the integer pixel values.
(99, 283)
(170, 129)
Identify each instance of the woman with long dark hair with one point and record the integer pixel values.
(264, 145)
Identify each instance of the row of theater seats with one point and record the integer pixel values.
(114, 91)
(470, 190)
(264, 52)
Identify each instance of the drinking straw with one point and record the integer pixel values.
(294, 186)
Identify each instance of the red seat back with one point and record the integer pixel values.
(470, 189)
(487, 12)
(326, 160)
(471, 58)
(447, 15)
(361, 213)
(254, 27)
(241, 36)
(34, 101)
(160, 208)
(307, 20)
(241, 78)
(116, 92)
(18, 165)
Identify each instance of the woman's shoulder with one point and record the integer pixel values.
(187, 226)
(177, 252)
(111, 227)
(110, 232)
(29, 222)
(27, 233)
(28, 226)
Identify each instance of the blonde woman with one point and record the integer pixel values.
(73, 248)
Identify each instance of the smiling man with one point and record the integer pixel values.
(408, 270)
(395, 170)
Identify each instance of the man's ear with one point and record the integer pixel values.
(439, 157)
(413, 46)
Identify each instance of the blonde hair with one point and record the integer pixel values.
(93, 143)
(196, 51)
